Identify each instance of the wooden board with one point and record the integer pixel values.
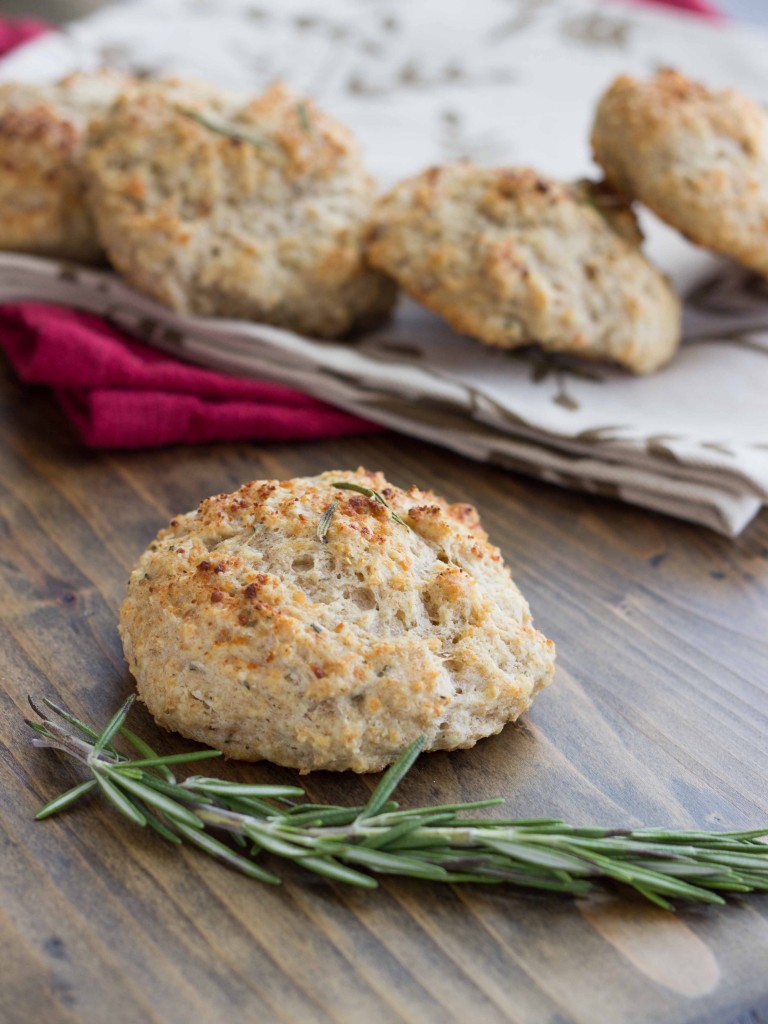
(658, 715)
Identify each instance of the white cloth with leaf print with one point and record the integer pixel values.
(498, 81)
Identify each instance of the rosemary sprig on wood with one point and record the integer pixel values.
(239, 823)
(344, 485)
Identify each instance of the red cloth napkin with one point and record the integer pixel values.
(697, 6)
(121, 394)
(15, 31)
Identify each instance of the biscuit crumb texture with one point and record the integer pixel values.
(43, 130)
(697, 157)
(249, 633)
(511, 258)
(219, 205)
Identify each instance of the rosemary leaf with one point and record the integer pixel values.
(734, 860)
(303, 115)
(441, 808)
(222, 852)
(339, 872)
(171, 809)
(344, 485)
(399, 836)
(654, 898)
(322, 527)
(684, 869)
(424, 838)
(220, 786)
(251, 805)
(323, 817)
(392, 864)
(112, 726)
(161, 828)
(64, 800)
(700, 838)
(265, 839)
(119, 800)
(174, 790)
(391, 779)
(153, 761)
(86, 729)
(41, 730)
(144, 749)
(228, 131)
(531, 854)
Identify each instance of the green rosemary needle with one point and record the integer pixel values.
(344, 485)
(325, 522)
(228, 131)
(303, 115)
(241, 823)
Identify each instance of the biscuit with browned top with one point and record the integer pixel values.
(253, 209)
(511, 257)
(697, 157)
(252, 630)
(43, 208)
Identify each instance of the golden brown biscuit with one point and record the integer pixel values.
(305, 624)
(511, 257)
(221, 206)
(696, 157)
(42, 138)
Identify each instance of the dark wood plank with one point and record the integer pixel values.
(658, 715)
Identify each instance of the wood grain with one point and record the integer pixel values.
(658, 715)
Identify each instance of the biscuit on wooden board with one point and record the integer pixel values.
(257, 626)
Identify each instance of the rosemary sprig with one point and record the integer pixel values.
(344, 485)
(228, 131)
(239, 823)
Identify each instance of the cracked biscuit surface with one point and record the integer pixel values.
(218, 205)
(249, 631)
(511, 258)
(697, 157)
(43, 129)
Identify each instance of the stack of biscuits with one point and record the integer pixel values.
(262, 209)
(511, 258)
(210, 202)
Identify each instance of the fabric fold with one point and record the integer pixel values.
(122, 394)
